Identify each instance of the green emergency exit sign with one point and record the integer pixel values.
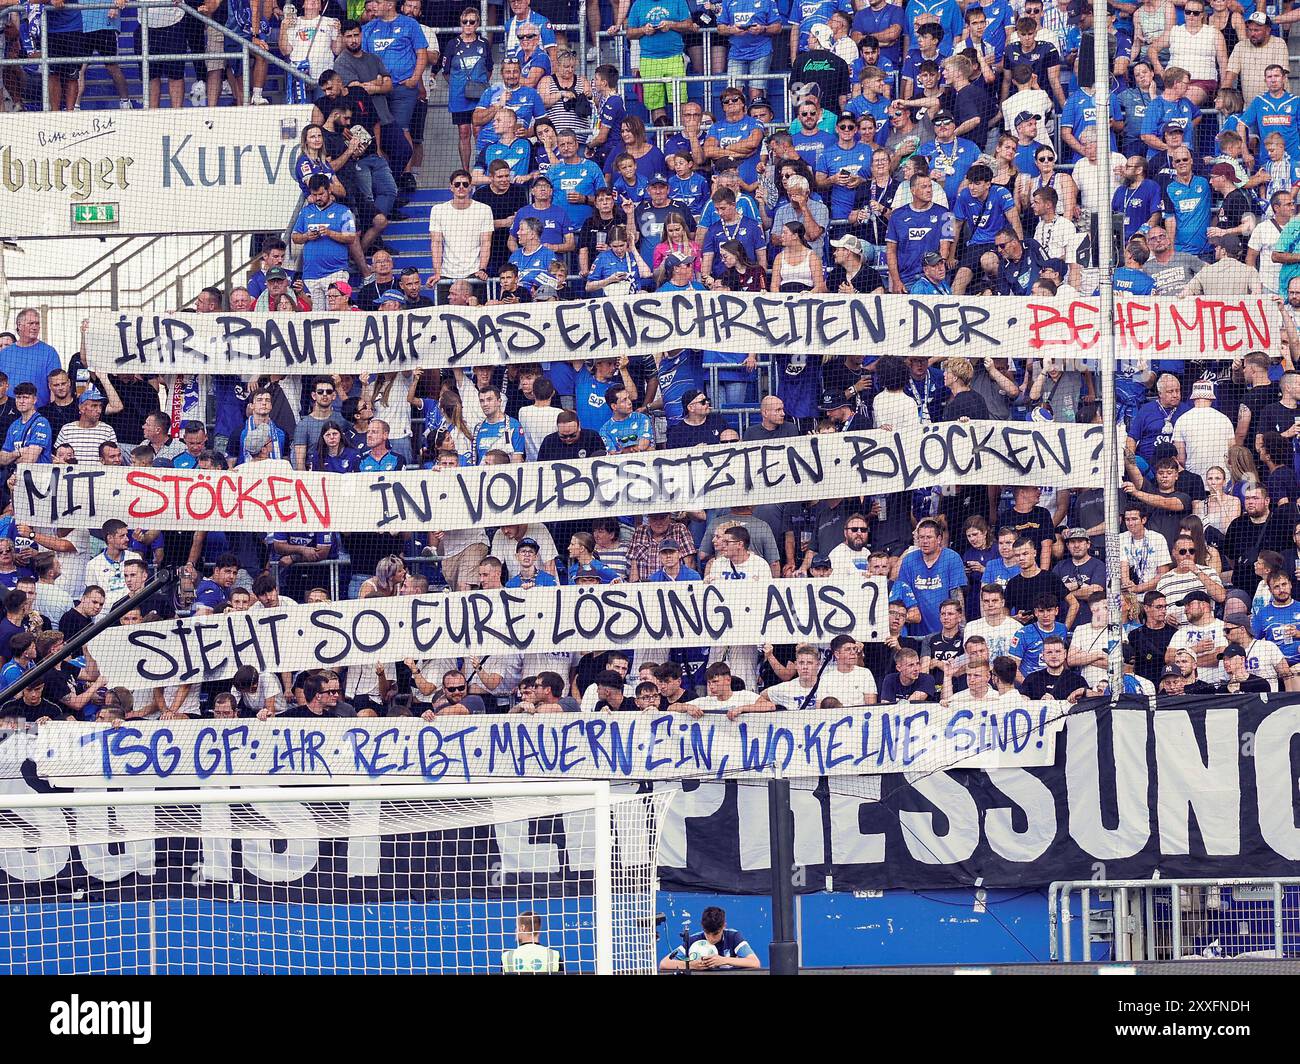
(94, 213)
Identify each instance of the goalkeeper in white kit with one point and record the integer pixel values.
(530, 956)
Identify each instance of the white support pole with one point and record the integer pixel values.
(604, 881)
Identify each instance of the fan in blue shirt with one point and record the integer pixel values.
(1275, 111)
(1027, 644)
(624, 430)
(949, 156)
(1162, 111)
(880, 15)
(914, 231)
(1279, 620)
(934, 573)
(1189, 202)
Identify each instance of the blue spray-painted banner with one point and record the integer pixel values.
(632, 746)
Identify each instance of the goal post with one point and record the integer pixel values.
(370, 878)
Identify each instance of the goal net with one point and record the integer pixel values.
(371, 879)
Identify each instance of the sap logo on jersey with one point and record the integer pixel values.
(113, 1018)
(917, 233)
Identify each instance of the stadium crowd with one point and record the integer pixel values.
(933, 149)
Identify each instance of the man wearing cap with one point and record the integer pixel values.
(845, 167)
(527, 572)
(1254, 54)
(950, 156)
(669, 557)
(934, 277)
(1236, 678)
(338, 298)
(1277, 110)
(659, 531)
(700, 424)
(851, 275)
(86, 434)
(736, 139)
(1028, 143)
(1203, 434)
(277, 285)
(1202, 635)
(679, 275)
(651, 214)
(1083, 575)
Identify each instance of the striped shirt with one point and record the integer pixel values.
(85, 441)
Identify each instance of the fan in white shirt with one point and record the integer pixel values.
(995, 626)
(979, 691)
(721, 698)
(735, 562)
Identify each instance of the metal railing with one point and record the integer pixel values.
(1173, 919)
(144, 59)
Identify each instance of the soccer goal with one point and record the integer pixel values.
(532, 877)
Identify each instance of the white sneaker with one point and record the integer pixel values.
(593, 53)
(198, 94)
(259, 100)
(125, 105)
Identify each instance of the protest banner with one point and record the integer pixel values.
(643, 616)
(869, 740)
(804, 468)
(823, 324)
(195, 171)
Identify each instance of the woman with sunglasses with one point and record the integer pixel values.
(1046, 176)
(534, 63)
(567, 96)
(467, 66)
(1196, 47)
(1207, 553)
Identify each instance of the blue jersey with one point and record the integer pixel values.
(748, 233)
(1136, 204)
(324, 256)
(519, 154)
(665, 43)
(555, 223)
(678, 372)
(798, 383)
(1027, 645)
(812, 147)
(1267, 114)
(504, 435)
(1001, 17)
(531, 267)
(746, 13)
(607, 264)
(984, 219)
(949, 162)
(390, 462)
(1190, 205)
(1080, 113)
(810, 13)
(589, 400)
(732, 944)
(855, 162)
(933, 584)
(525, 102)
(1133, 106)
(396, 42)
(871, 21)
(1133, 282)
(609, 116)
(1161, 112)
(1271, 622)
(583, 177)
(949, 14)
(1153, 425)
(728, 133)
(691, 193)
(916, 232)
(34, 432)
(626, 434)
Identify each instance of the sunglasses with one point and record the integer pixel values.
(469, 22)
(1045, 158)
(1002, 246)
(704, 400)
(326, 391)
(1193, 11)
(460, 184)
(1184, 552)
(856, 528)
(456, 690)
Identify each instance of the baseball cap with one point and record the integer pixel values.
(1231, 243)
(849, 242)
(760, 101)
(1233, 651)
(691, 394)
(527, 541)
(343, 287)
(276, 273)
(931, 258)
(820, 561)
(821, 33)
(832, 401)
(1171, 670)
(1203, 389)
(1056, 264)
(590, 572)
(671, 262)
(1237, 618)
(943, 116)
(1259, 18)
(91, 395)
(1224, 170)
(1196, 596)
(658, 179)
(1178, 124)
(1076, 533)
(669, 546)
(1024, 116)
(392, 295)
